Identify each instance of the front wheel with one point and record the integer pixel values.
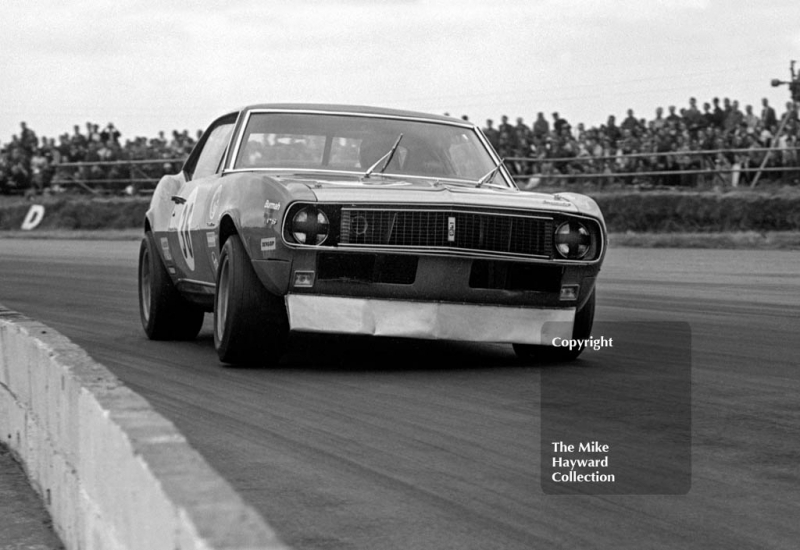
(165, 314)
(250, 323)
(584, 319)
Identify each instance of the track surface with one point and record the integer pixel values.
(353, 443)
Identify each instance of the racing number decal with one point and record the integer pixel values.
(184, 226)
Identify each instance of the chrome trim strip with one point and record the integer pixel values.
(489, 209)
(239, 138)
(366, 114)
(437, 251)
(466, 184)
(428, 320)
(453, 182)
(457, 208)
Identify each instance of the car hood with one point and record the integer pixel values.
(380, 189)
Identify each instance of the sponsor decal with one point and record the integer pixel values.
(272, 205)
(212, 210)
(214, 259)
(184, 225)
(33, 218)
(172, 270)
(165, 249)
(451, 229)
(211, 238)
(270, 221)
(267, 244)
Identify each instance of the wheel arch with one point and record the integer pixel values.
(227, 227)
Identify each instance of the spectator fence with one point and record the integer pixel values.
(690, 168)
(83, 175)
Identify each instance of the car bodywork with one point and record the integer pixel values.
(432, 240)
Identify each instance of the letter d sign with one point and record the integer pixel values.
(33, 218)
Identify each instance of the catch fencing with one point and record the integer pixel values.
(690, 169)
(114, 177)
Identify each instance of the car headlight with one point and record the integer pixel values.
(572, 240)
(310, 225)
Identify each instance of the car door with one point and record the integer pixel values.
(188, 232)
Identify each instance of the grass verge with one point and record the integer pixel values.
(133, 234)
(741, 240)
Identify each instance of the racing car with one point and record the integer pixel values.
(362, 220)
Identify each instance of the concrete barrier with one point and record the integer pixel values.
(112, 472)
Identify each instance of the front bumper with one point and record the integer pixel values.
(428, 320)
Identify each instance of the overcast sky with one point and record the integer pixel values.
(150, 66)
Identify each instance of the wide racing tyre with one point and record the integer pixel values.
(165, 314)
(584, 319)
(250, 323)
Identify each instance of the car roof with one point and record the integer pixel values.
(359, 109)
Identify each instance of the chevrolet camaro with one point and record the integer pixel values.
(360, 220)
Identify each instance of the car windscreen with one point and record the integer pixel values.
(356, 143)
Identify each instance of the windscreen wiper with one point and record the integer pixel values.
(387, 157)
(492, 173)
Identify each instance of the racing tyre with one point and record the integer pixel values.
(165, 314)
(250, 323)
(584, 319)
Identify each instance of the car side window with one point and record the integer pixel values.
(211, 155)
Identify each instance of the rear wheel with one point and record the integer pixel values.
(582, 328)
(165, 314)
(250, 323)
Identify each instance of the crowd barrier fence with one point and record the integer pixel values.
(556, 169)
(573, 169)
(72, 174)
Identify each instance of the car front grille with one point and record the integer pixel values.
(448, 229)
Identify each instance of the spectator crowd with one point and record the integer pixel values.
(720, 139)
(28, 162)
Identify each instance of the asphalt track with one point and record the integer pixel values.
(363, 444)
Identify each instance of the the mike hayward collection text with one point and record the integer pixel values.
(567, 466)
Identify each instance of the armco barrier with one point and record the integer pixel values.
(112, 472)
